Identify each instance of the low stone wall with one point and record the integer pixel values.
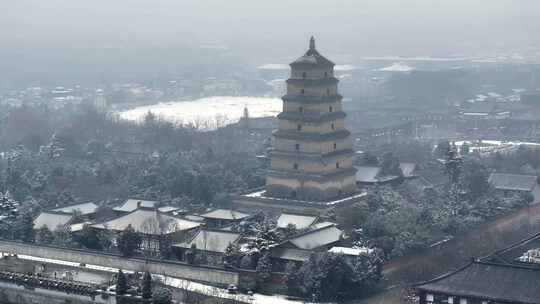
(211, 275)
(18, 293)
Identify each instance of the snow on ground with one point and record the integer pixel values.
(177, 283)
(210, 112)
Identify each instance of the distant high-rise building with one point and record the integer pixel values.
(312, 154)
(100, 102)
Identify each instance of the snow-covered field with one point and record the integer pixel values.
(208, 113)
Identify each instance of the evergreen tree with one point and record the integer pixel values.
(147, 286)
(191, 254)
(44, 236)
(292, 279)
(165, 246)
(246, 262)
(232, 255)
(453, 166)
(162, 296)
(129, 241)
(89, 238)
(121, 283)
(465, 149)
(263, 269)
(390, 165)
(25, 228)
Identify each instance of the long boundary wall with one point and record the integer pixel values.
(211, 275)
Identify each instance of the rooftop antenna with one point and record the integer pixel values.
(312, 43)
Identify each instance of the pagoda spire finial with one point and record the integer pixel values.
(312, 43)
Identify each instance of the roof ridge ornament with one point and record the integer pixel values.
(312, 43)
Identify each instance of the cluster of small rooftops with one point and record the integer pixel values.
(210, 230)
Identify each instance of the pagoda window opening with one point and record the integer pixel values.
(297, 147)
(325, 74)
(299, 128)
(293, 194)
(295, 166)
(335, 146)
(304, 75)
(333, 126)
(337, 165)
(328, 92)
(330, 109)
(301, 109)
(302, 91)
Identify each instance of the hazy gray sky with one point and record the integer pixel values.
(375, 24)
(265, 30)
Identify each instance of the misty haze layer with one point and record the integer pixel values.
(44, 37)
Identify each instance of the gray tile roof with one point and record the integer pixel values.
(316, 238)
(149, 222)
(290, 254)
(224, 214)
(520, 182)
(312, 58)
(300, 221)
(211, 240)
(52, 220)
(84, 208)
(489, 281)
(132, 203)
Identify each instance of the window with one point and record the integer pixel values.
(293, 194)
(299, 128)
(337, 165)
(304, 75)
(335, 146)
(295, 166)
(325, 74)
(297, 147)
(301, 109)
(302, 91)
(330, 109)
(328, 92)
(333, 126)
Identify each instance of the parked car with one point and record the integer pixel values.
(232, 289)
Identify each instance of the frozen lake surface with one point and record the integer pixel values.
(210, 112)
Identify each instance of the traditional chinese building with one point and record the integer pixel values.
(312, 155)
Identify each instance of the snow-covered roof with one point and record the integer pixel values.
(166, 209)
(224, 214)
(299, 221)
(367, 174)
(519, 182)
(317, 238)
(78, 226)
(134, 203)
(148, 222)
(83, 209)
(407, 169)
(52, 220)
(350, 251)
(211, 240)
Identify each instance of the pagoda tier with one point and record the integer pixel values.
(312, 154)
